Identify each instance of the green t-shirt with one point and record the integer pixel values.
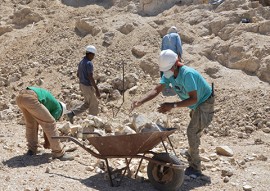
(49, 101)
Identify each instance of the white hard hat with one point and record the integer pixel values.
(64, 108)
(173, 29)
(167, 59)
(91, 48)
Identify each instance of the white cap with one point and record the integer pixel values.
(173, 29)
(167, 59)
(91, 48)
(64, 108)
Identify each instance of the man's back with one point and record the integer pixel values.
(85, 68)
(173, 42)
(48, 100)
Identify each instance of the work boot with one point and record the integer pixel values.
(30, 153)
(192, 171)
(37, 152)
(65, 157)
(70, 116)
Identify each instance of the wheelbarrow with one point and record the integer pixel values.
(165, 171)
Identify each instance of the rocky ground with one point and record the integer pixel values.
(43, 41)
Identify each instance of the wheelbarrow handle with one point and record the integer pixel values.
(81, 145)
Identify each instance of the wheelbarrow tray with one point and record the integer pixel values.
(160, 167)
(129, 145)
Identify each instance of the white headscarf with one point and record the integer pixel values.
(173, 29)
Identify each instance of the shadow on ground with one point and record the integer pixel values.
(190, 183)
(98, 182)
(82, 3)
(25, 160)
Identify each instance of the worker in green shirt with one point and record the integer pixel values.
(40, 107)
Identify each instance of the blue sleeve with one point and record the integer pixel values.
(190, 83)
(162, 44)
(89, 68)
(164, 81)
(179, 45)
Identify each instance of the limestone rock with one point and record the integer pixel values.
(65, 128)
(150, 127)
(130, 81)
(153, 7)
(24, 16)
(247, 188)
(149, 67)
(139, 122)
(124, 130)
(5, 29)
(126, 28)
(139, 51)
(108, 38)
(224, 150)
(87, 26)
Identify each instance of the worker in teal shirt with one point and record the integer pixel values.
(194, 92)
(188, 80)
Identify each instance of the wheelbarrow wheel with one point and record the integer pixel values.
(165, 178)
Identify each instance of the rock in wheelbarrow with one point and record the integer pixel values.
(150, 127)
(164, 178)
(65, 128)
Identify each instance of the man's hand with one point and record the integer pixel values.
(97, 94)
(150, 95)
(165, 107)
(135, 104)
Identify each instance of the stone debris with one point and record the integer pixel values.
(226, 179)
(87, 26)
(213, 157)
(89, 168)
(65, 128)
(126, 28)
(150, 127)
(205, 158)
(24, 16)
(224, 150)
(94, 124)
(247, 188)
(262, 158)
(139, 121)
(226, 172)
(47, 170)
(126, 130)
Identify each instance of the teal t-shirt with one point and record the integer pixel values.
(187, 80)
(49, 101)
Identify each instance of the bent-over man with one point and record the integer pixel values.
(194, 92)
(40, 107)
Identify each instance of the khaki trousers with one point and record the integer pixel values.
(201, 118)
(90, 101)
(37, 114)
